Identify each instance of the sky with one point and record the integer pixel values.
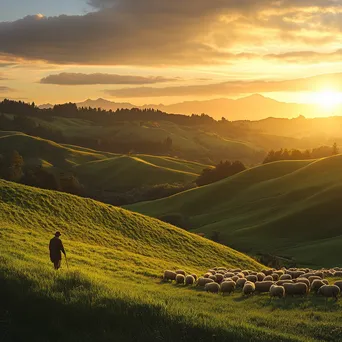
(148, 51)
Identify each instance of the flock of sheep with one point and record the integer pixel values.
(278, 283)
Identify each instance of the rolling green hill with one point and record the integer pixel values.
(101, 172)
(112, 290)
(287, 208)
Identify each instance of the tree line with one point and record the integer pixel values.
(294, 154)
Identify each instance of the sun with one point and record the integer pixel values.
(328, 99)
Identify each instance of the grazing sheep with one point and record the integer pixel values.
(169, 275)
(220, 272)
(303, 280)
(307, 275)
(277, 291)
(213, 272)
(337, 274)
(219, 278)
(252, 278)
(312, 278)
(241, 282)
(229, 274)
(269, 278)
(207, 275)
(282, 282)
(295, 273)
(203, 281)
(274, 276)
(329, 291)
(267, 272)
(248, 288)
(279, 272)
(212, 287)
(285, 277)
(235, 270)
(235, 278)
(261, 276)
(180, 279)
(228, 287)
(339, 284)
(296, 289)
(245, 272)
(253, 273)
(213, 277)
(189, 280)
(181, 272)
(263, 286)
(240, 275)
(221, 269)
(195, 276)
(316, 285)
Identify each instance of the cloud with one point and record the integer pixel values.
(177, 32)
(4, 89)
(315, 83)
(308, 56)
(98, 78)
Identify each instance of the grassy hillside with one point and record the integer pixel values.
(192, 143)
(127, 172)
(101, 171)
(288, 208)
(112, 290)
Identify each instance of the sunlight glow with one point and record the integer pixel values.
(328, 99)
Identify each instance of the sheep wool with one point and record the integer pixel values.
(248, 288)
(263, 286)
(212, 287)
(329, 291)
(203, 281)
(169, 275)
(180, 279)
(181, 272)
(189, 280)
(277, 291)
(228, 287)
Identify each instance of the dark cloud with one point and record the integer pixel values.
(98, 78)
(315, 83)
(164, 32)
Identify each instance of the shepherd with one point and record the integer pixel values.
(56, 247)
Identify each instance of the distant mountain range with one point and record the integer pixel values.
(254, 107)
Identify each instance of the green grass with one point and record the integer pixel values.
(288, 208)
(101, 170)
(112, 290)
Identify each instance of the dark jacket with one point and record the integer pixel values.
(56, 247)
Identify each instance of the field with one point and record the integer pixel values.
(101, 170)
(288, 208)
(113, 289)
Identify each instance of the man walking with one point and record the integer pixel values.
(56, 247)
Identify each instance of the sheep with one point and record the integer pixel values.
(189, 280)
(282, 282)
(228, 287)
(338, 274)
(277, 291)
(316, 285)
(312, 278)
(202, 281)
(267, 272)
(213, 277)
(180, 279)
(207, 275)
(241, 282)
(274, 276)
(339, 284)
(303, 280)
(212, 287)
(279, 272)
(263, 286)
(181, 272)
(285, 277)
(296, 289)
(222, 269)
(169, 275)
(248, 288)
(252, 278)
(195, 276)
(213, 272)
(261, 276)
(240, 275)
(295, 273)
(219, 278)
(235, 270)
(253, 273)
(245, 272)
(268, 278)
(329, 291)
(229, 274)
(235, 278)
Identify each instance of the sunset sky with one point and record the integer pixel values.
(162, 51)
